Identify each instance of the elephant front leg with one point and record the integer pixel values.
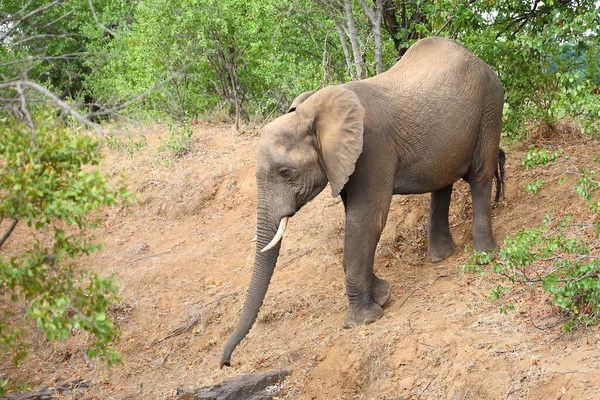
(440, 244)
(380, 288)
(366, 292)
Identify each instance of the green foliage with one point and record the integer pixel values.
(536, 156)
(193, 57)
(558, 260)
(546, 55)
(476, 261)
(263, 50)
(54, 43)
(49, 179)
(533, 187)
(178, 141)
(129, 146)
(555, 256)
(586, 185)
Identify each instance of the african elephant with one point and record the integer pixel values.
(432, 119)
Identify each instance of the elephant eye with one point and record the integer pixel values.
(285, 172)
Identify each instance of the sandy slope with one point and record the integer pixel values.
(184, 252)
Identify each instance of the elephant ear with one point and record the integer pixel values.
(337, 119)
(299, 99)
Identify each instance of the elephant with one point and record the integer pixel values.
(433, 118)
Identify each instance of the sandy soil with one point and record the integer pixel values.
(184, 253)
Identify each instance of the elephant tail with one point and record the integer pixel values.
(499, 175)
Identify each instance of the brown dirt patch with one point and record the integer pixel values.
(187, 243)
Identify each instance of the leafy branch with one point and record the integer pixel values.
(558, 256)
(54, 186)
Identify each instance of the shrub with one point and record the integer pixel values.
(49, 180)
(554, 256)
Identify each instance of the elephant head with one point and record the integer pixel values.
(318, 140)
(300, 99)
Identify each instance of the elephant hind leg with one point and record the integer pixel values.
(440, 245)
(480, 178)
(483, 239)
(487, 164)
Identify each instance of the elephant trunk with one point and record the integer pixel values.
(264, 264)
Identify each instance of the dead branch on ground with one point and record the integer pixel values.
(196, 318)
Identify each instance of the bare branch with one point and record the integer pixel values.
(28, 118)
(10, 230)
(133, 100)
(52, 97)
(111, 33)
(374, 16)
(71, 56)
(342, 36)
(444, 26)
(368, 11)
(10, 17)
(57, 19)
(25, 17)
(194, 320)
(46, 36)
(325, 62)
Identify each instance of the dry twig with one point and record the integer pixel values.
(8, 232)
(104, 28)
(194, 320)
(146, 257)
(407, 297)
(12, 27)
(424, 389)
(52, 97)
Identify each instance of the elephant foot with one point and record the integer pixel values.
(487, 244)
(439, 252)
(363, 315)
(380, 291)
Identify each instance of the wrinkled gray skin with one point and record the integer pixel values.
(432, 119)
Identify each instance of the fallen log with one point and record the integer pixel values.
(261, 386)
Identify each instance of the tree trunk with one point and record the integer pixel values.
(236, 124)
(390, 22)
(225, 67)
(353, 35)
(374, 17)
(400, 23)
(342, 36)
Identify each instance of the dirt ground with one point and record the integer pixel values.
(184, 253)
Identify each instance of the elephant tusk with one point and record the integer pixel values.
(278, 235)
